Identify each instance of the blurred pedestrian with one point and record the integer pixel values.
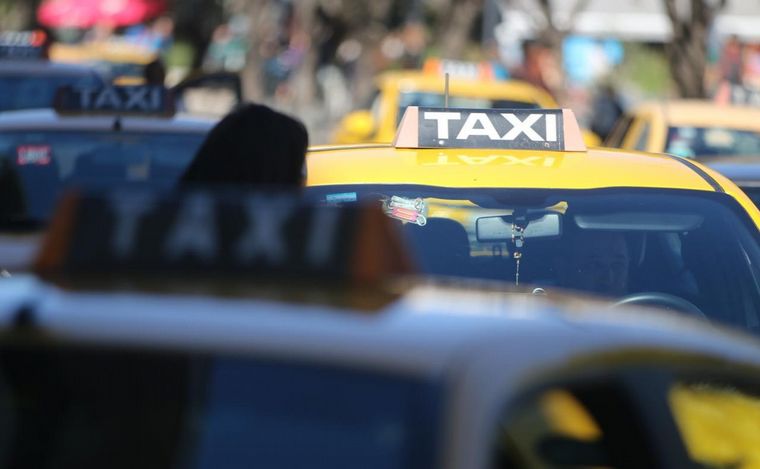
(252, 145)
(607, 109)
(731, 61)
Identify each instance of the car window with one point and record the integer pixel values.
(34, 92)
(661, 248)
(643, 140)
(696, 142)
(93, 408)
(35, 166)
(561, 427)
(753, 193)
(619, 132)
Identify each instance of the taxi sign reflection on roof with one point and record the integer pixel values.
(142, 100)
(509, 129)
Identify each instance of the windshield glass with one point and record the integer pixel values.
(35, 92)
(693, 142)
(36, 166)
(97, 408)
(669, 248)
(438, 100)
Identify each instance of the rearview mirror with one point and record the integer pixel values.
(499, 229)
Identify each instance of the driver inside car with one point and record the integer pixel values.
(597, 262)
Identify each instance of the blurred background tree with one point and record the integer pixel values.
(687, 49)
(18, 14)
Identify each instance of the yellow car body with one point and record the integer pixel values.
(514, 196)
(124, 59)
(647, 127)
(378, 125)
(520, 169)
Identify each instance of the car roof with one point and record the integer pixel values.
(48, 119)
(43, 68)
(427, 331)
(476, 88)
(484, 168)
(703, 113)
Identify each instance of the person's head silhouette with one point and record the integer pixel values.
(252, 145)
(596, 262)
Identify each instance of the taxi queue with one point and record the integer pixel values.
(484, 291)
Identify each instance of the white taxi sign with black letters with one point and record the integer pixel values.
(514, 129)
(141, 100)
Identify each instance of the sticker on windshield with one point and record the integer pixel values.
(33, 155)
(405, 209)
(341, 197)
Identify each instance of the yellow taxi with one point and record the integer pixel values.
(121, 60)
(470, 86)
(515, 196)
(689, 128)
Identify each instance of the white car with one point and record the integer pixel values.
(151, 345)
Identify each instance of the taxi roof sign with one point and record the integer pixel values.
(134, 100)
(265, 235)
(506, 129)
(460, 69)
(729, 93)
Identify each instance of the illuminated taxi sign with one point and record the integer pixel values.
(459, 69)
(513, 129)
(196, 233)
(22, 44)
(140, 100)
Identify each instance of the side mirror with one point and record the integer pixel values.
(356, 127)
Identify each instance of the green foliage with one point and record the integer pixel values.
(181, 54)
(645, 68)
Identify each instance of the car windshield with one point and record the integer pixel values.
(424, 99)
(697, 142)
(658, 247)
(35, 92)
(35, 166)
(96, 408)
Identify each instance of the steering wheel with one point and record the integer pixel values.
(665, 300)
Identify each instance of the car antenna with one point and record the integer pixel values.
(446, 91)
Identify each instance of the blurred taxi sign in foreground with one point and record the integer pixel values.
(511, 129)
(266, 235)
(136, 100)
(22, 44)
